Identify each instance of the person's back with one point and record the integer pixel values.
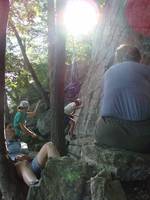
(124, 120)
(69, 108)
(126, 92)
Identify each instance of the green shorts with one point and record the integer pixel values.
(121, 134)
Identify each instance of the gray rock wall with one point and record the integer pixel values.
(112, 31)
(102, 174)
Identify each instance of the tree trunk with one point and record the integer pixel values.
(112, 31)
(56, 73)
(6, 109)
(4, 7)
(4, 178)
(9, 186)
(29, 66)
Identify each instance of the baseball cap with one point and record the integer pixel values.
(24, 104)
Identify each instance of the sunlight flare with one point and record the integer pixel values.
(80, 16)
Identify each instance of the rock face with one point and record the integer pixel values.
(125, 165)
(112, 31)
(75, 146)
(102, 174)
(43, 123)
(104, 187)
(62, 178)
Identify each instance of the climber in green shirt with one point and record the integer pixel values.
(21, 117)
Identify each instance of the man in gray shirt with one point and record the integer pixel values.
(125, 104)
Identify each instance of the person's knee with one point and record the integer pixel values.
(52, 150)
(48, 145)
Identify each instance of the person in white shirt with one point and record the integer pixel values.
(69, 111)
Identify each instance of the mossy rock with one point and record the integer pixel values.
(62, 178)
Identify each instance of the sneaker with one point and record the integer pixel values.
(35, 183)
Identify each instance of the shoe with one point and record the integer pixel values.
(35, 183)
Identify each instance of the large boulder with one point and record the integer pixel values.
(105, 174)
(75, 146)
(125, 165)
(67, 179)
(103, 187)
(43, 123)
(62, 178)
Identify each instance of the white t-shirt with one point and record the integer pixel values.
(69, 108)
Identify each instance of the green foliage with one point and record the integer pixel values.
(41, 70)
(101, 2)
(78, 49)
(30, 20)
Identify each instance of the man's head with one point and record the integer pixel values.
(9, 131)
(78, 102)
(23, 105)
(127, 53)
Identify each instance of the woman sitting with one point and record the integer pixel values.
(29, 169)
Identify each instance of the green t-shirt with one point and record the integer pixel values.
(20, 117)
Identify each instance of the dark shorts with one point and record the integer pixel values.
(36, 168)
(66, 119)
(121, 134)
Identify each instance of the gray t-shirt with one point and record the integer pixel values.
(126, 92)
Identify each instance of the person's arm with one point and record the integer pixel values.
(27, 131)
(34, 112)
(22, 157)
(76, 108)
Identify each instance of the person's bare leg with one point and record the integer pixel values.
(26, 172)
(48, 150)
(71, 129)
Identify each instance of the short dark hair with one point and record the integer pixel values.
(78, 102)
(127, 52)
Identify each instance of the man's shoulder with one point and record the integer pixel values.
(69, 108)
(123, 64)
(128, 65)
(19, 114)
